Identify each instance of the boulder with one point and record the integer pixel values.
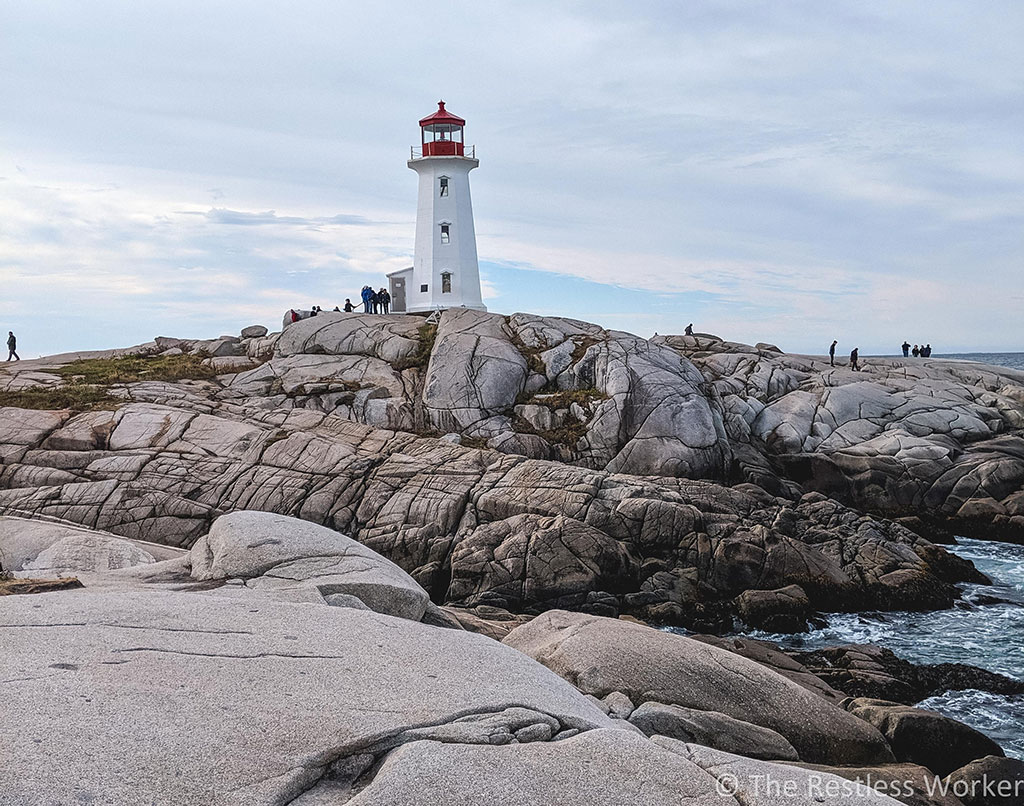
(989, 781)
(253, 332)
(601, 655)
(782, 610)
(924, 737)
(760, 783)
(712, 729)
(274, 551)
(620, 768)
(910, 784)
(191, 699)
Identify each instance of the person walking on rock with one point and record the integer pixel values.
(12, 346)
(854, 355)
(906, 349)
(384, 298)
(832, 352)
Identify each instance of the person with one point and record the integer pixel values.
(12, 346)
(689, 329)
(916, 351)
(374, 302)
(926, 351)
(906, 349)
(832, 352)
(366, 293)
(312, 311)
(385, 299)
(295, 315)
(349, 307)
(854, 355)
(337, 309)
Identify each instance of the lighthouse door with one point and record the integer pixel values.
(397, 294)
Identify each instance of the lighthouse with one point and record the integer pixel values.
(445, 272)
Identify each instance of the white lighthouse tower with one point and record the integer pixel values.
(445, 272)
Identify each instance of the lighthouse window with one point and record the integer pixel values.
(444, 185)
(423, 288)
(445, 233)
(446, 282)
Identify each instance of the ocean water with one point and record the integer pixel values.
(986, 629)
(1011, 360)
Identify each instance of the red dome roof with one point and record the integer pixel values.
(442, 115)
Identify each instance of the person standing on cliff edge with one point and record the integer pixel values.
(832, 352)
(906, 349)
(12, 346)
(854, 355)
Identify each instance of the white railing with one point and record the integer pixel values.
(468, 152)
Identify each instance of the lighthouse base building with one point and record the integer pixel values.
(445, 272)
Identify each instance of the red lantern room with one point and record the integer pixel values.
(441, 134)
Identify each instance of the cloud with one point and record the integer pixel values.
(784, 168)
(219, 215)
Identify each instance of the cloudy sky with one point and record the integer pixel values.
(789, 172)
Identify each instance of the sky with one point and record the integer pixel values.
(788, 172)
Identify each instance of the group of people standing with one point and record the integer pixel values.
(854, 356)
(917, 352)
(373, 301)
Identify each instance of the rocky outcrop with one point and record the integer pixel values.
(924, 737)
(275, 552)
(301, 702)
(600, 655)
(989, 781)
(877, 673)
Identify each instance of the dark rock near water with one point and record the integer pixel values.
(989, 781)
(924, 737)
(875, 672)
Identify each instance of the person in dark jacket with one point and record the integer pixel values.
(384, 298)
(366, 293)
(926, 351)
(854, 356)
(906, 349)
(12, 346)
(374, 302)
(916, 351)
(349, 307)
(689, 329)
(832, 352)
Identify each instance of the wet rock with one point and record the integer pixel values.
(782, 610)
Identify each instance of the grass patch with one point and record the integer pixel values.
(534, 363)
(13, 587)
(87, 382)
(77, 397)
(135, 368)
(565, 398)
(420, 358)
(583, 343)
